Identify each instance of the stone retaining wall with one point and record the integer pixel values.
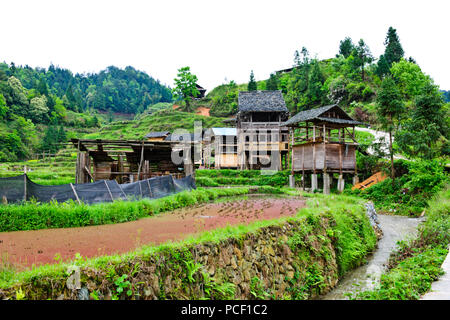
(296, 260)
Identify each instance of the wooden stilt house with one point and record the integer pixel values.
(262, 141)
(323, 142)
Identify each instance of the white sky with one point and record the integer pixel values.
(217, 39)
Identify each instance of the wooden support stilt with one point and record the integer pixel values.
(25, 183)
(140, 162)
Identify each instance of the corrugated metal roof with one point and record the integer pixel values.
(224, 131)
(261, 101)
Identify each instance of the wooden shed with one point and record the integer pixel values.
(131, 160)
(322, 143)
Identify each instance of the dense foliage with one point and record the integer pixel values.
(214, 178)
(40, 108)
(127, 91)
(417, 183)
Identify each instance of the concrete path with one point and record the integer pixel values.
(382, 138)
(440, 290)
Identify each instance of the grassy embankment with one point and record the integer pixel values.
(51, 171)
(340, 220)
(164, 120)
(416, 264)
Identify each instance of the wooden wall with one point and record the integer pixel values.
(336, 154)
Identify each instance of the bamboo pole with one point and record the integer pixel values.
(109, 191)
(75, 193)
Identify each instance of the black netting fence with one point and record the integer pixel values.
(20, 188)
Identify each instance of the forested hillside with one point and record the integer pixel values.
(39, 107)
(125, 91)
(351, 79)
(390, 93)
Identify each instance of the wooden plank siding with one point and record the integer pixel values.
(304, 156)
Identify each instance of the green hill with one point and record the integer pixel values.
(164, 120)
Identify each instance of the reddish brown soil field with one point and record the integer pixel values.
(25, 248)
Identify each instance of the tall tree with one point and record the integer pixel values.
(252, 86)
(390, 111)
(363, 56)
(298, 83)
(42, 87)
(346, 47)
(394, 51)
(426, 126)
(272, 82)
(185, 86)
(382, 68)
(315, 91)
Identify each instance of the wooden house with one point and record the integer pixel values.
(322, 143)
(220, 148)
(262, 141)
(131, 160)
(201, 91)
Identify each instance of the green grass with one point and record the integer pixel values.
(410, 193)
(223, 177)
(49, 172)
(32, 216)
(346, 216)
(165, 120)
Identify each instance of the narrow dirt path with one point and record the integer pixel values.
(25, 248)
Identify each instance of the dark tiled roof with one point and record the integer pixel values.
(315, 114)
(157, 134)
(261, 101)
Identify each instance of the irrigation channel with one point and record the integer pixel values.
(25, 248)
(366, 277)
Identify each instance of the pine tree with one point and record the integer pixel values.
(50, 138)
(272, 82)
(252, 86)
(382, 68)
(426, 126)
(315, 91)
(394, 51)
(42, 87)
(346, 47)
